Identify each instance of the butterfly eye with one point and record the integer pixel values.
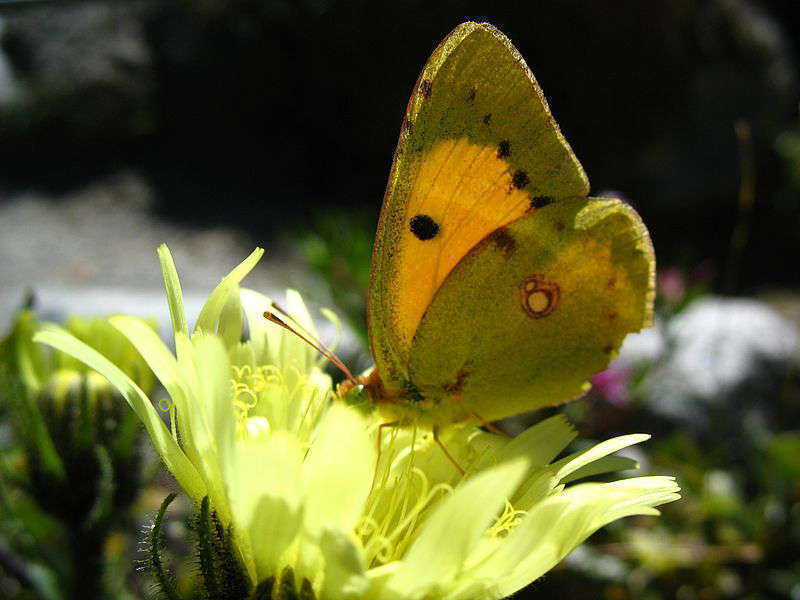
(539, 297)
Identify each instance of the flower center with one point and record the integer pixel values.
(267, 398)
(399, 502)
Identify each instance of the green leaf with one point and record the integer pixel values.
(29, 419)
(104, 500)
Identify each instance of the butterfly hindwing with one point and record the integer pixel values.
(534, 310)
(477, 151)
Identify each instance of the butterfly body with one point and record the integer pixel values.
(497, 285)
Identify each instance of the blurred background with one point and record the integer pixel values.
(218, 125)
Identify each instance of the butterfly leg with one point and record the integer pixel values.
(446, 453)
(488, 425)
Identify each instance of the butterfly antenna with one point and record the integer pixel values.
(296, 324)
(316, 344)
(302, 329)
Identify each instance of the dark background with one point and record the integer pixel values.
(259, 114)
(217, 125)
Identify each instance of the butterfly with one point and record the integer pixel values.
(497, 286)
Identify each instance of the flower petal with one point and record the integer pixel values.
(338, 471)
(456, 525)
(231, 320)
(345, 577)
(555, 526)
(210, 313)
(165, 367)
(540, 443)
(172, 455)
(205, 373)
(295, 351)
(172, 285)
(573, 462)
(607, 464)
(264, 488)
(254, 305)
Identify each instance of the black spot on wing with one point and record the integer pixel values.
(471, 96)
(423, 227)
(487, 118)
(504, 149)
(541, 201)
(503, 241)
(520, 179)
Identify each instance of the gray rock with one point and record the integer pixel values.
(84, 67)
(93, 252)
(717, 353)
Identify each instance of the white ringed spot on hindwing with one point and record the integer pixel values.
(539, 297)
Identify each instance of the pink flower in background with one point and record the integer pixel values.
(612, 385)
(671, 285)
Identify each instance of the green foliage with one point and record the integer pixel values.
(22, 369)
(219, 576)
(74, 461)
(787, 144)
(339, 248)
(154, 544)
(287, 589)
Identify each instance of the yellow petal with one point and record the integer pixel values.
(436, 557)
(172, 455)
(338, 471)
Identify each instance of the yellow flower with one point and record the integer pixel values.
(311, 504)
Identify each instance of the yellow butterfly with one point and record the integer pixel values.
(497, 286)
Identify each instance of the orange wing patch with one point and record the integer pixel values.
(463, 191)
